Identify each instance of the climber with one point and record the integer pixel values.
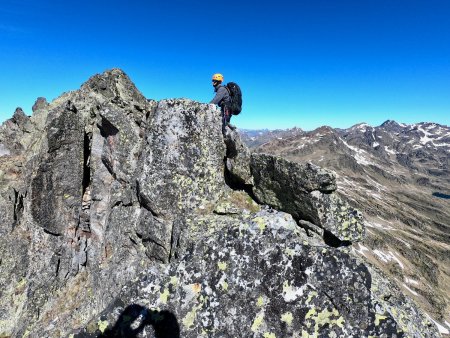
(223, 100)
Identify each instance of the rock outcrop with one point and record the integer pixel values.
(254, 278)
(306, 192)
(122, 215)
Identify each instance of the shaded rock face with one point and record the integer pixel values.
(110, 202)
(56, 189)
(306, 192)
(238, 160)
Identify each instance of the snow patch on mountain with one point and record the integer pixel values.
(411, 281)
(388, 257)
(389, 150)
(359, 154)
(409, 289)
(440, 327)
(361, 249)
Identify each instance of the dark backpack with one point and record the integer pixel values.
(236, 97)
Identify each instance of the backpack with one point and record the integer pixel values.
(236, 97)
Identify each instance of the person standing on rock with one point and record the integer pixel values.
(222, 99)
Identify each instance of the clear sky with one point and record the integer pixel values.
(299, 63)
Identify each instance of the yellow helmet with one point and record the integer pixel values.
(217, 77)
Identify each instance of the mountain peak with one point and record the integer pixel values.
(111, 84)
(392, 125)
(389, 123)
(360, 126)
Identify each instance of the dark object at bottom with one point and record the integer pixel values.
(441, 195)
(164, 323)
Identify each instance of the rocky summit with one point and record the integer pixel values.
(121, 216)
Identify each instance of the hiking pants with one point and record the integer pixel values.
(226, 117)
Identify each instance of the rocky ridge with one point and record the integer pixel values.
(123, 216)
(399, 176)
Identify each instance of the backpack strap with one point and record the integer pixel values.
(228, 90)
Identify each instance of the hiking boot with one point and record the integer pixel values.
(231, 126)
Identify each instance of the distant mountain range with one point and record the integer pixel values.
(398, 175)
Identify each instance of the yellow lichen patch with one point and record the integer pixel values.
(311, 295)
(222, 266)
(287, 318)
(378, 318)
(325, 317)
(310, 313)
(257, 322)
(289, 252)
(340, 322)
(164, 296)
(260, 301)
(188, 321)
(102, 325)
(20, 287)
(155, 309)
(26, 334)
(174, 280)
(269, 335)
(224, 285)
(261, 223)
(203, 299)
(305, 334)
(21, 284)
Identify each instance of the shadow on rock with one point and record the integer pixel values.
(135, 318)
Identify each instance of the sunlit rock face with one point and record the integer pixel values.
(260, 275)
(123, 216)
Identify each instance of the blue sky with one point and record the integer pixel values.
(299, 63)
